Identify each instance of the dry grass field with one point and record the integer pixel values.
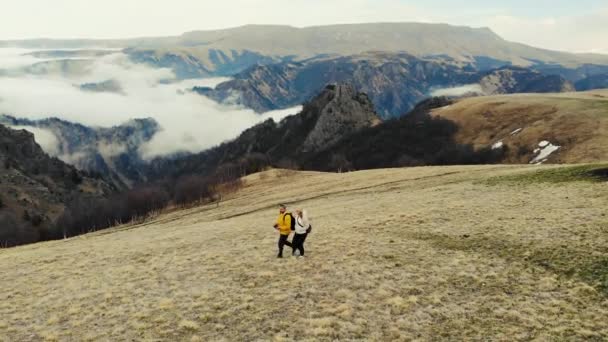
(437, 253)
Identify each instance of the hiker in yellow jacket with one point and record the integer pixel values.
(283, 225)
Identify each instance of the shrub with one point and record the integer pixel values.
(86, 215)
(14, 232)
(191, 189)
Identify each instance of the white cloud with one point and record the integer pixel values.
(45, 138)
(457, 91)
(189, 122)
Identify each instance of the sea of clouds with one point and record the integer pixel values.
(189, 122)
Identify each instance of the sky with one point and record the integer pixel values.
(576, 26)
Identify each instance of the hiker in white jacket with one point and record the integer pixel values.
(303, 227)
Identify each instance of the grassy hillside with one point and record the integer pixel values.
(456, 253)
(578, 122)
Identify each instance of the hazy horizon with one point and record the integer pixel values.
(557, 25)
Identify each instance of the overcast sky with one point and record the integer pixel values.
(580, 26)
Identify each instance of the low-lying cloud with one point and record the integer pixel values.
(189, 122)
(458, 91)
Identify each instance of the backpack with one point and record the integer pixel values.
(292, 226)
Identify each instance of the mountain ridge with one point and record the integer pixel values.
(395, 82)
(285, 42)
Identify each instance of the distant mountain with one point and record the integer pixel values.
(395, 82)
(593, 82)
(229, 51)
(57, 67)
(61, 54)
(573, 74)
(109, 86)
(190, 62)
(111, 152)
(35, 188)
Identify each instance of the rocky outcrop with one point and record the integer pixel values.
(336, 112)
(510, 80)
(343, 111)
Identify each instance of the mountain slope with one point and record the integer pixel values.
(111, 152)
(466, 259)
(395, 82)
(35, 188)
(576, 122)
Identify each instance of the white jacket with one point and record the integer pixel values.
(302, 225)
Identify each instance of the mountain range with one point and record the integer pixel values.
(229, 51)
(418, 38)
(275, 67)
(395, 82)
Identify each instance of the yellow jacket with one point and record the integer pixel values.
(284, 223)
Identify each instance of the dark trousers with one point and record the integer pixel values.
(298, 242)
(282, 242)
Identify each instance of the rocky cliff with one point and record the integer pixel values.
(394, 82)
(111, 152)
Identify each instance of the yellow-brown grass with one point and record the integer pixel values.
(576, 121)
(405, 254)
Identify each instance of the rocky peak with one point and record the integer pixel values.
(342, 110)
